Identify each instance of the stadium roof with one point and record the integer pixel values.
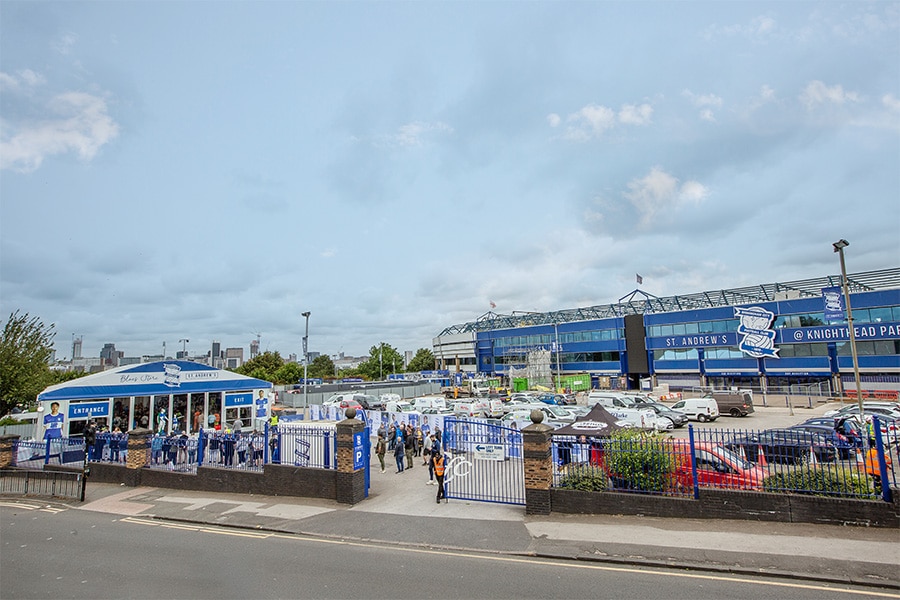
(639, 302)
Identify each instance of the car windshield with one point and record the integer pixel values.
(743, 463)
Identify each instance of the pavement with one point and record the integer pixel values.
(401, 510)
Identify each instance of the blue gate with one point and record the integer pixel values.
(483, 462)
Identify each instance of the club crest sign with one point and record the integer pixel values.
(756, 327)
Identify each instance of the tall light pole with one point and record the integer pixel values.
(839, 248)
(184, 347)
(558, 371)
(305, 359)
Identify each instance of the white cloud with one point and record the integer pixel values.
(702, 100)
(760, 28)
(693, 191)
(635, 115)
(705, 102)
(65, 43)
(31, 78)
(890, 102)
(816, 93)
(413, 134)
(25, 78)
(80, 123)
(658, 191)
(592, 120)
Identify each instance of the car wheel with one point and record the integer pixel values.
(735, 412)
(673, 422)
(701, 418)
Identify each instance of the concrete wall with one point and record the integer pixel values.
(274, 480)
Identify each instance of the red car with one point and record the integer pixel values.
(716, 467)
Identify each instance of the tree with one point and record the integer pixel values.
(321, 366)
(288, 373)
(422, 361)
(262, 366)
(25, 349)
(383, 360)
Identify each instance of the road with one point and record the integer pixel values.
(65, 553)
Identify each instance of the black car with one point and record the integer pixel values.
(783, 446)
(844, 446)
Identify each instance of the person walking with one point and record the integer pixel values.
(439, 474)
(399, 453)
(435, 450)
(426, 447)
(380, 448)
(409, 442)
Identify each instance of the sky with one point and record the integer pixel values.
(211, 170)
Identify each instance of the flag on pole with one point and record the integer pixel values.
(493, 305)
(640, 279)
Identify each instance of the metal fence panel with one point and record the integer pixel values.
(483, 462)
(773, 460)
(41, 483)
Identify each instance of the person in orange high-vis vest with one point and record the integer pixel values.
(439, 475)
(872, 466)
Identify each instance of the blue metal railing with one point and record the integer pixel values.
(773, 460)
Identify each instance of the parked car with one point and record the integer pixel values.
(717, 466)
(678, 419)
(884, 409)
(783, 446)
(698, 409)
(438, 411)
(843, 445)
(555, 399)
(362, 400)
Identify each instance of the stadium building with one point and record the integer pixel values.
(775, 337)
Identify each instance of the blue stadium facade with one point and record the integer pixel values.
(769, 336)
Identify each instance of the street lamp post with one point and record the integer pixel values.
(839, 248)
(305, 360)
(558, 372)
(184, 343)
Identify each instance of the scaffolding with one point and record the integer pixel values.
(537, 369)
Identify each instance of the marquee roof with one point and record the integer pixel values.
(148, 379)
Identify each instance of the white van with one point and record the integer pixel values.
(698, 409)
(609, 400)
(420, 404)
(641, 418)
(398, 406)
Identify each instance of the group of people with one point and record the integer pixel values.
(409, 443)
(97, 440)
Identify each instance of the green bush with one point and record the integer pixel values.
(820, 481)
(586, 478)
(638, 461)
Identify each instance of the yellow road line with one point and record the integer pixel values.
(529, 561)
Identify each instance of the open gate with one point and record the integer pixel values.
(484, 462)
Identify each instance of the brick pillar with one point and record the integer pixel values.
(138, 448)
(7, 448)
(538, 465)
(351, 483)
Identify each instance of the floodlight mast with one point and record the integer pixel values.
(839, 248)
